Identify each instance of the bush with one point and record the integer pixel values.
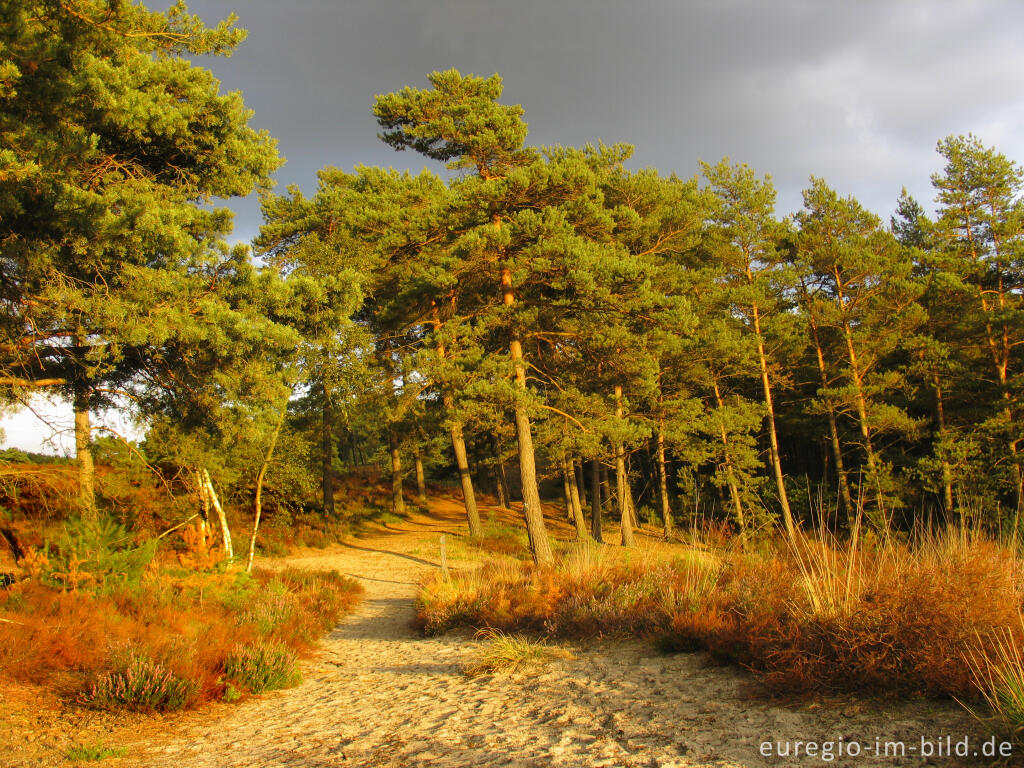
(263, 666)
(821, 617)
(188, 621)
(141, 685)
(95, 552)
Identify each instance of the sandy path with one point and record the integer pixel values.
(379, 695)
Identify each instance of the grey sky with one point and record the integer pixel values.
(855, 92)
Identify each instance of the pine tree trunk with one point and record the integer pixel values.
(258, 503)
(606, 488)
(462, 464)
(327, 454)
(595, 499)
(540, 547)
(833, 427)
(568, 467)
(631, 514)
(773, 436)
(459, 447)
(566, 496)
(860, 402)
(397, 496)
(501, 490)
(730, 475)
(625, 521)
(947, 471)
(83, 453)
(999, 344)
(577, 467)
(421, 478)
(666, 510)
(503, 473)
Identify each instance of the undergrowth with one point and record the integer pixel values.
(124, 644)
(262, 666)
(892, 618)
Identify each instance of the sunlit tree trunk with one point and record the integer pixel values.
(773, 436)
(730, 474)
(833, 427)
(83, 453)
(258, 503)
(540, 547)
(459, 448)
(625, 521)
(574, 498)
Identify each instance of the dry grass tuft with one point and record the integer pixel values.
(999, 674)
(512, 653)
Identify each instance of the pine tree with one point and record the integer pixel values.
(744, 244)
(113, 145)
(865, 294)
(980, 226)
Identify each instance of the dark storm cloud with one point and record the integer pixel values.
(857, 93)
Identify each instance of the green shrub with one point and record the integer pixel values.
(263, 666)
(95, 552)
(94, 752)
(141, 685)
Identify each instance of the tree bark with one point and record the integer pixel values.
(625, 523)
(540, 547)
(773, 435)
(574, 497)
(666, 510)
(577, 467)
(421, 479)
(327, 454)
(259, 485)
(459, 446)
(860, 402)
(83, 453)
(947, 471)
(397, 496)
(595, 499)
(833, 427)
(730, 475)
(566, 496)
(465, 478)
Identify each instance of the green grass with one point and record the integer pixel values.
(94, 752)
(1000, 677)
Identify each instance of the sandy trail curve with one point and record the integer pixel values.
(379, 695)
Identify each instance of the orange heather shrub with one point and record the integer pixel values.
(188, 623)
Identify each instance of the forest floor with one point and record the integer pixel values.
(379, 694)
